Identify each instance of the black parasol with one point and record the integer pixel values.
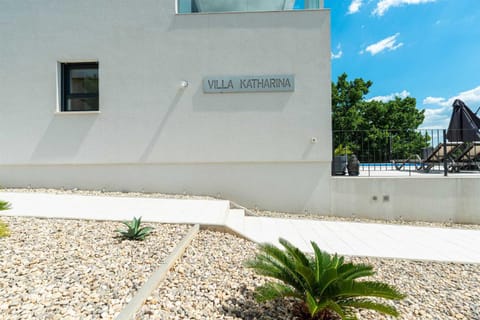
(464, 124)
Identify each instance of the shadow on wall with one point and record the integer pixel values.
(153, 141)
(63, 138)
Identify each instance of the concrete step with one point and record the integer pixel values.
(235, 220)
(209, 212)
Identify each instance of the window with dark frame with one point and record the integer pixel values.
(79, 87)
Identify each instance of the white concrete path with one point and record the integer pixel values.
(370, 239)
(345, 238)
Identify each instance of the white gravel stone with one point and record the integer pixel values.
(51, 271)
(210, 282)
(75, 269)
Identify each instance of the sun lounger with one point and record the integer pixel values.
(407, 164)
(437, 156)
(469, 158)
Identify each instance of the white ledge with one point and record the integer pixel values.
(76, 112)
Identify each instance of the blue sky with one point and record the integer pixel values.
(426, 49)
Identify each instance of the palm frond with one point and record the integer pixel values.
(308, 277)
(367, 304)
(273, 262)
(325, 256)
(324, 282)
(334, 306)
(298, 255)
(273, 290)
(351, 288)
(328, 277)
(321, 260)
(336, 261)
(350, 271)
(312, 305)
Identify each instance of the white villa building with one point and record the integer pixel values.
(228, 98)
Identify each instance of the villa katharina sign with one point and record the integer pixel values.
(249, 84)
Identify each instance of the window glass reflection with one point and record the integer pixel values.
(189, 6)
(84, 81)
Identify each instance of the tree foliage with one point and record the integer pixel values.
(375, 130)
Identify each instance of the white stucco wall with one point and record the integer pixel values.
(432, 198)
(151, 134)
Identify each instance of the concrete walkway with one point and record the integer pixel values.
(345, 238)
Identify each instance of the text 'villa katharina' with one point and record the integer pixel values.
(249, 84)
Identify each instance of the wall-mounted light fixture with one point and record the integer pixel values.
(184, 84)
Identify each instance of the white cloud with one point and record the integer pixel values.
(339, 53)
(470, 97)
(391, 97)
(389, 43)
(439, 115)
(384, 5)
(435, 112)
(355, 6)
(433, 100)
(436, 118)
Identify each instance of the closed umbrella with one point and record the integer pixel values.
(464, 124)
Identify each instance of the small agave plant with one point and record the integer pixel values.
(134, 231)
(4, 231)
(327, 286)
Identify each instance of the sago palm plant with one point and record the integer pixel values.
(325, 283)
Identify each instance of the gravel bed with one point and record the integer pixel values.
(72, 269)
(75, 269)
(210, 282)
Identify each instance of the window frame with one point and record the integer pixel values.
(188, 7)
(65, 85)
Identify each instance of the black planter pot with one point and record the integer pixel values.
(340, 165)
(353, 166)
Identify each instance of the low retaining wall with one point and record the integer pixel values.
(433, 199)
(287, 187)
(280, 186)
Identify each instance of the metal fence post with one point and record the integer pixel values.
(445, 165)
(332, 162)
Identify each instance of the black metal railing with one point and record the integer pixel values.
(414, 151)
